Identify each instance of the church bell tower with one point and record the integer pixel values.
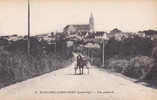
(91, 23)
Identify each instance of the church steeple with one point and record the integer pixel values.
(91, 23)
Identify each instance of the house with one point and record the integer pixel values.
(46, 37)
(118, 34)
(14, 37)
(101, 35)
(72, 29)
(141, 34)
(80, 29)
(151, 34)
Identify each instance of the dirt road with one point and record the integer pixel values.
(64, 85)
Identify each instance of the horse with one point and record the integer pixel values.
(81, 64)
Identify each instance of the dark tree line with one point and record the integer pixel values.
(129, 47)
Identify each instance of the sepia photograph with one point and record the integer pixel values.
(78, 49)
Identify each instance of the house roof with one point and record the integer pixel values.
(79, 27)
(99, 33)
(115, 31)
(150, 32)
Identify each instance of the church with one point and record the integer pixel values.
(81, 28)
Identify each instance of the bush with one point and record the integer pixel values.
(139, 67)
(3, 41)
(154, 53)
(6, 74)
(20, 47)
(97, 61)
(152, 75)
(15, 68)
(16, 65)
(117, 65)
(127, 47)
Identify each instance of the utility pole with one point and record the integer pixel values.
(28, 37)
(103, 62)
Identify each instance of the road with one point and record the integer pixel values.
(64, 85)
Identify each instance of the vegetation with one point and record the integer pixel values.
(16, 65)
(133, 56)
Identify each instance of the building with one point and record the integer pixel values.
(101, 35)
(141, 34)
(80, 28)
(118, 34)
(152, 34)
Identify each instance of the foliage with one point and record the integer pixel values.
(129, 47)
(154, 53)
(14, 68)
(3, 41)
(139, 67)
(16, 65)
(117, 65)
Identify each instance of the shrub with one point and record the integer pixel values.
(154, 53)
(16, 65)
(3, 41)
(6, 74)
(97, 61)
(20, 47)
(152, 75)
(129, 47)
(118, 65)
(139, 67)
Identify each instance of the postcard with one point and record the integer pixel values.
(78, 49)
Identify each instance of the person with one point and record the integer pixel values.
(78, 60)
(80, 64)
(77, 63)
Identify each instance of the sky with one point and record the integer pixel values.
(53, 15)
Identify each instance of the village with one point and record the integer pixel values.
(79, 59)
